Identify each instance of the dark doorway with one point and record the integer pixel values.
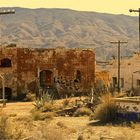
(8, 93)
(5, 62)
(114, 79)
(46, 78)
(78, 76)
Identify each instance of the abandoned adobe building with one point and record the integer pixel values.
(130, 77)
(129, 72)
(26, 68)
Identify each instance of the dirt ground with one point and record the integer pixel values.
(65, 128)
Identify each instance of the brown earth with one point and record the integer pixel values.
(67, 128)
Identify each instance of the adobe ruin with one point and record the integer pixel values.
(25, 69)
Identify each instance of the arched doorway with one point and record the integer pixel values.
(46, 78)
(8, 93)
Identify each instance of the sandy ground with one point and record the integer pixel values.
(67, 128)
(19, 108)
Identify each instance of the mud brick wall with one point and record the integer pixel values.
(10, 72)
(71, 68)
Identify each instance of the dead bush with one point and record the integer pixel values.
(30, 97)
(48, 133)
(37, 115)
(72, 130)
(83, 111)
(26, 118)
(7, 131)
(107, 110)
(66, 102)
(12, 115)
(80, 137)
(50, 115)
(48, 107)
(3, 126)
(53, 134)
(61, 124)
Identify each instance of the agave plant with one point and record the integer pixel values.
(38, 103)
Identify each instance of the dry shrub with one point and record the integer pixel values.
(3, 126)
(53, 134)
(48, 133)
(72, 130)
(37, 115)
(107, 110)
(61, 124)
(50, 115)
(7, 131)
(80, 137)
(30, 97)
(83, 111)
(48, 107)
(66, 102)
(12, 115)
(26, 118)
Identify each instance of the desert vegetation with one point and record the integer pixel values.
(106, 111)
(7, 131)
(74, 118)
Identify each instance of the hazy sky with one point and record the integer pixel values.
(107, 6)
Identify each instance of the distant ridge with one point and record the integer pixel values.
(64, 27)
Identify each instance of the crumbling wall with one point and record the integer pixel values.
(70, 68)
(104, 76)
(9, 72)
(63, 63)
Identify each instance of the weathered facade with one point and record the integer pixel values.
(129, 72)
(26, 68)
(104, 77)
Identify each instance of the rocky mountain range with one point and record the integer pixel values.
(69, 28)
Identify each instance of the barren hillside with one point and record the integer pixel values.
(53, 27)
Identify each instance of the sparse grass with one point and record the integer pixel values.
(39, 104)
(30, 97)
(80, 137)
(66, 102)
(53, 134)
(37, 115)
(3, 126)
(44, 109)
(61, 124)
(48, 133)
(106, 111)
(27, 119)
(12, 115)
(83, 111)
(49, 107)
(132, 125)
(7, 131)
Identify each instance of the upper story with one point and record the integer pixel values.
(62, 63)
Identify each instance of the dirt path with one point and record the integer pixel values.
(18, 108)
(71, 127)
